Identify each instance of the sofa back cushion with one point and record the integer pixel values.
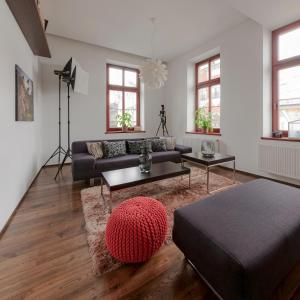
(114, 149)
(81, 147)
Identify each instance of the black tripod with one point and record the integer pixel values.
(68, 153)
(59, 150)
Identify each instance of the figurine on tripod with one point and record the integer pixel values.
(163, 121)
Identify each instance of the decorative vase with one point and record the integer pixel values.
(145, 159)
(208, 148)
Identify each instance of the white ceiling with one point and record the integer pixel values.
(270, 13)
(181, 24)
(124, 25)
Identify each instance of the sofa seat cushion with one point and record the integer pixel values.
(173, 156)
(243, 241)
(108, 164)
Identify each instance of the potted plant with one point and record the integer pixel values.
(203, 120)
(124, 120)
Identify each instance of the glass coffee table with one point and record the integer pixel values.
(129, 177)
(209, 162)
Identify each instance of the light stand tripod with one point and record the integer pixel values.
(163, 121)
(73, 76)
(68, 153)
(59, 150)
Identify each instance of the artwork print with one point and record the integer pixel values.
(24, 96)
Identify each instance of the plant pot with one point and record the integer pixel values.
(125, 128)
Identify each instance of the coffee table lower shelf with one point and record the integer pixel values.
(129, 177)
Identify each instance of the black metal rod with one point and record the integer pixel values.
(68, 153)
(59, 116)
(68, 117)
(59, 150)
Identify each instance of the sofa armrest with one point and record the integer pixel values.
(83, 166)
(183, 149)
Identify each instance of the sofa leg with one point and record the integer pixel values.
(92, 181)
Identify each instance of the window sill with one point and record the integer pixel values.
(129, 131)
(282, 139)
(203, 133)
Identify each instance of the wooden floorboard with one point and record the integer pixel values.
(44, 253)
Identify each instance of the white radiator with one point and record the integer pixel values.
(281, 160)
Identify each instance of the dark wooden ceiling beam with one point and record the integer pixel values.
(29, 20)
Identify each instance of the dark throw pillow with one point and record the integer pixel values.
(114, 149)
(134, 147)
(158, 145)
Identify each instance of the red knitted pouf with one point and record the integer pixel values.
(136, 229)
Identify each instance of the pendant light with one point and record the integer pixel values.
(154, 72)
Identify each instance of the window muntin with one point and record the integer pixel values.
(286, 76)
(208, 89)
(123, 95)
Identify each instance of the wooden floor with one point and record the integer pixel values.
(44, 254)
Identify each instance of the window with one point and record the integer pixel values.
(286, 76)
(208, 89)
(123, 95)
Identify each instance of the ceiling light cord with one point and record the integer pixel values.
(153, 73)
(152, 19)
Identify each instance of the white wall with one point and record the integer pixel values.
(245, 93)
(20, 141)
(88, 114)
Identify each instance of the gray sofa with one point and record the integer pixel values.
(84, 166)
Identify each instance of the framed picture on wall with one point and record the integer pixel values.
(24, 96)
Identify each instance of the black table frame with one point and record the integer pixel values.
(219, 159)
(144, 178)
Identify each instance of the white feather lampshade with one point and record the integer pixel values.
(154, 73)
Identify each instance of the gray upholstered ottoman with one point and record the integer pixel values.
(243, 241)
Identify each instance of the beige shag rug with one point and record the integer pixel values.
(173, 193)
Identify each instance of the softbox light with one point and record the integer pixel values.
(78, 78)
(80, 84)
